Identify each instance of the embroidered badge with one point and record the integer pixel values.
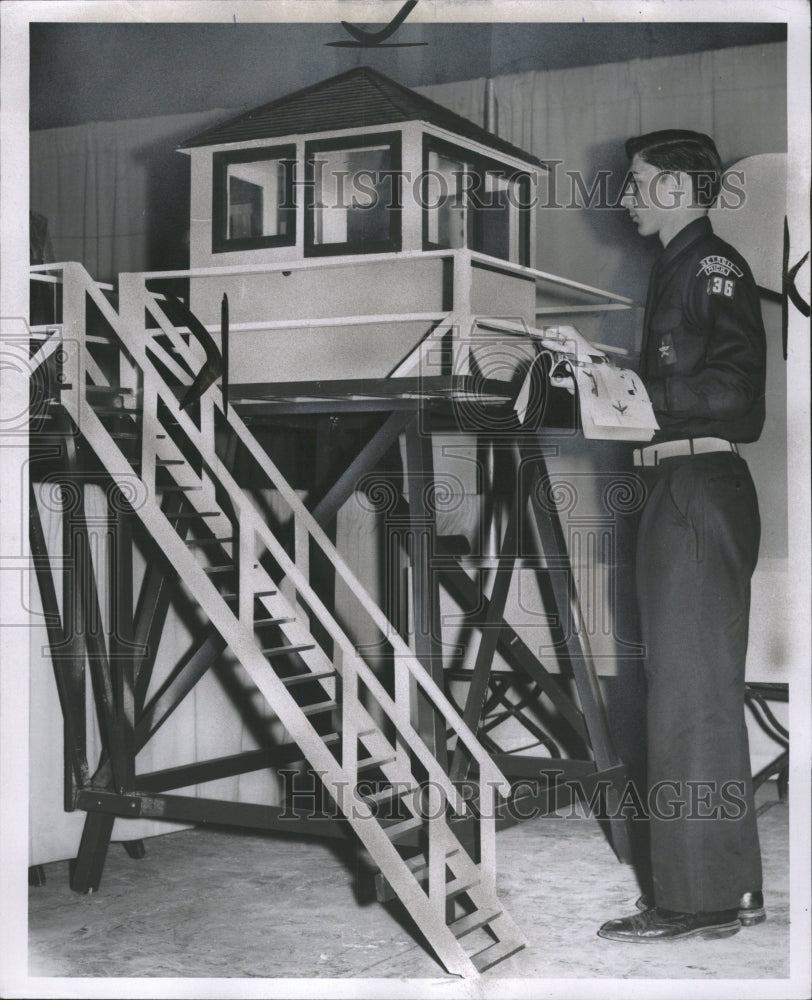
(717, 285)
(715, 264)
(668, 356)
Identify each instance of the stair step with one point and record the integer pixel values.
(385, 794)
(270, 620)
(328, 739)
(373, 762)
(124, 435)
(419, 862)
(115, 411)
(207, 541)
(110, 390)
(494, 953)
(397, 830)
(456, 887)
(303, 678)
(216, 570)
(173, 488)
(280, 650)
(320, 708)
(196, 513)
(473, 922)
(164, 463)
(414, 864)
(459, 886)
(418, 866)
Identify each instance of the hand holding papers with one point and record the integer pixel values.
(568, 340)
(613, 402)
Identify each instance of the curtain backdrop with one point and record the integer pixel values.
(116, 194)
(582, 117)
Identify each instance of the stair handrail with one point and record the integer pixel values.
(133, 285)
(317, 533)
(246, 510)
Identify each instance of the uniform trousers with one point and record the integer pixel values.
(697, 547)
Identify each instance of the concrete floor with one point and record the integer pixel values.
(214, 903)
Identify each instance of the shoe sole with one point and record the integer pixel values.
(747, 918)
(721, 931)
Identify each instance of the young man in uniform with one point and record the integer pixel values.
(703, 364)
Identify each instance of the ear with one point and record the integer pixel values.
(666, 192)
(684, 185)
(674, 189)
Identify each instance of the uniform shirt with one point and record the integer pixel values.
(704, 350)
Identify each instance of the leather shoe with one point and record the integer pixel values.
(657, 924)
(751, 908)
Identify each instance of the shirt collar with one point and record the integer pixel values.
(685, 237)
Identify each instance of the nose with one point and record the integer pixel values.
(627, 199)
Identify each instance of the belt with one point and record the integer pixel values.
(653, 454)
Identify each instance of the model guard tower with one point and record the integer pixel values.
(355, 249)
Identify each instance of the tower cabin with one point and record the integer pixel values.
(352, 221)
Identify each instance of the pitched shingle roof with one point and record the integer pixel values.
(356, 99)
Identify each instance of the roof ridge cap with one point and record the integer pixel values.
(377, 85)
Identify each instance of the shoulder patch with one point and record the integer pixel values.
(716, 264)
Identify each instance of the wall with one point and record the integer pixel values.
(111, 71)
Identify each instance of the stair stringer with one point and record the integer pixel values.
(339, 777)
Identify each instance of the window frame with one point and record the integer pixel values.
(480, 165)
(221, 161)
(394, 242)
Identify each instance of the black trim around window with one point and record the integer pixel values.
(393, 242)
(480, 165)
(220, 242)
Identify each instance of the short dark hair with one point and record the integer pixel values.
(693, 153)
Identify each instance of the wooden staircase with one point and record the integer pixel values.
(169, 463)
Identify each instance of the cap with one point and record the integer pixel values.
(660, 141)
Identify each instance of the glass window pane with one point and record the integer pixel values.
(494, 211)
(445, 200)
(352, 196)
(502, 218)
(256, 199)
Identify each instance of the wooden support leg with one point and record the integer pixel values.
(425, 584)
(545, 524)
(135, 849)
(81, 607)
(67, 656)
(120, 583)
(151, 610)
(36, 876)
(370, 455)
(511, 646)
(198, 661)
(489, 638)
(86, 870)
